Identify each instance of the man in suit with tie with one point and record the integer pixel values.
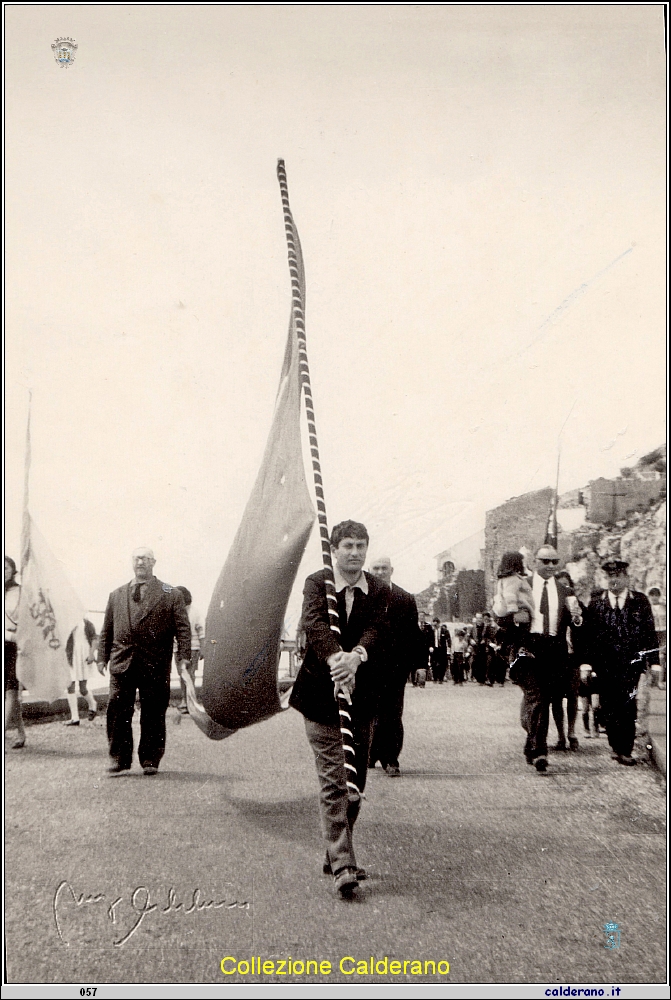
(620, 627)
(141, 621)
(440, 650)
(543, 674)
(402, 649)
(419, 669)
(348, 661)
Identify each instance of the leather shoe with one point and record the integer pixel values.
(118, 768)
(560, 745)
(541, 765)
(92, 715)
(71, 722)
(573, 743)
(626, 759)
(392, 771)
(345, 882)
(361, 873)
(149, 769)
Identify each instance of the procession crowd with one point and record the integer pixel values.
(361, 641)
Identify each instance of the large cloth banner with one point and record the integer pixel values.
(49, 609)
(245, 619)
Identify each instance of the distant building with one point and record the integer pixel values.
(516, 526)
(611, 500)
(461, 580)
(467, 554)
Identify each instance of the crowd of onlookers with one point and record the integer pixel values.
(464, 652)
(483, 651)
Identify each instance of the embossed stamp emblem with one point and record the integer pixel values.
(64, 50)
(612, 932)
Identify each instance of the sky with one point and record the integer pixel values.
(480, 195)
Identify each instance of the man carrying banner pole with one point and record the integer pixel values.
(346, 661)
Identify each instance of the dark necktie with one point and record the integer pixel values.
(619, 620)
(545, 609)
(137, 593)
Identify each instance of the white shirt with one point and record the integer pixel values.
(342, 584)
(11, 612)
(537, 585)
(617, 599)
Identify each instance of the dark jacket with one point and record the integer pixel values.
(425, 644)
(312, 693)
(551, 652)
(563, 624)
(150, 640)
(611, 649)
(403, 644)
(444, 640)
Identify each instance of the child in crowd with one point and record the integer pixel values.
(513, 605)
(513, 591)
(459, 644)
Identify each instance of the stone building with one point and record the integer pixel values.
(625, 516)
(516, 526)
(460, 589)
(612, 500)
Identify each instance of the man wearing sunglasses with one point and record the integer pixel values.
(544, 673)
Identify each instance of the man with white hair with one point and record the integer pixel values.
(141, 621)
(402, 641)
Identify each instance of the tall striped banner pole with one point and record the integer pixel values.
(298, 319)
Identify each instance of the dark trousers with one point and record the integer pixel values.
(11, 682)
(479, 665)
(618, 714)
(458, 668)
(567, 688)
(154, 687)
(540, 680)
(439, 665)
(387, 728)
(338, 814)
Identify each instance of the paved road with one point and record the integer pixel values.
(475, 858)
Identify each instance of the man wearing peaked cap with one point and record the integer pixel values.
(615, 567)
(620, 639)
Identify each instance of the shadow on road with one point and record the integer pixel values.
(295, 819)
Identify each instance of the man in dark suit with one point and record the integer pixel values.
(141, 621)
(400, 653)
(620, 627)
(419, 668)
(440, 650)
(543, 674)
(347, 661)
(477, 648)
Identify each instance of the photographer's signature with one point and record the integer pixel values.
(140, 904)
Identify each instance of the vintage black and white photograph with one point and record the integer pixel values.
(335, 499)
